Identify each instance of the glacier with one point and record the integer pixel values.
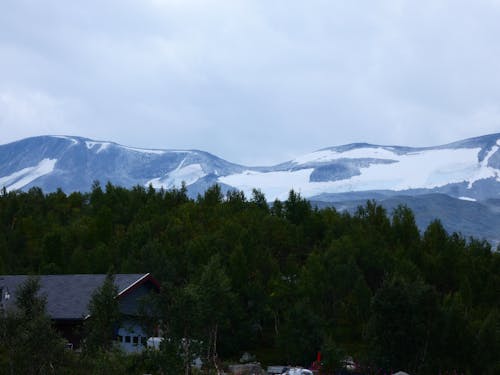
(416, 169)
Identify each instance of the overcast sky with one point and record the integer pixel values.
(254, 82)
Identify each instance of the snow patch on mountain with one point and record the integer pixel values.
(188, 174)
(144, 151)
(467, 199)
(490, 154)
(272, 183)
(325, 156)
(418, 169)
(102, 145)
(25, 176)
(484, 171)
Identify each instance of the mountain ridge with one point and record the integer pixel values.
(466, 172)
(73, 163)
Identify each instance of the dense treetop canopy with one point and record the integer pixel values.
(281, 280)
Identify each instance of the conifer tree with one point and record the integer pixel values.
(28, 338)
(104, 315)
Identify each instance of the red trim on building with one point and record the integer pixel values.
(147, 277)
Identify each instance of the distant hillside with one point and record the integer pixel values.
(477, 219)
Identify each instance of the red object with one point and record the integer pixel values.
(316, 365)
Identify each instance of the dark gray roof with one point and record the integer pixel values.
(68, 296)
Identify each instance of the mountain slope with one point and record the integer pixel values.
(73, 163)
(468, 168)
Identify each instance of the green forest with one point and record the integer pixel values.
(280, 280)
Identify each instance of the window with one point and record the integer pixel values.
(119, 338)
(144, 341)
(135, 340)
(127, 339)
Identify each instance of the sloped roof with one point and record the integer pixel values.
(68, 296)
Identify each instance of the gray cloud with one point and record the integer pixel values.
(251, 81)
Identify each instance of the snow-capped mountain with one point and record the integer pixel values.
(458, 182)
(74, 163)
(468, 169)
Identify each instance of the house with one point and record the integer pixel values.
(68, 297)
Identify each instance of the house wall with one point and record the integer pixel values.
(131, 338)
(130, 335)
(131, 301)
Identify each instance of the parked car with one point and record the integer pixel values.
(297, 371)
(276, 369)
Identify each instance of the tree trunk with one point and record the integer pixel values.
(214, 350)
(187, 353)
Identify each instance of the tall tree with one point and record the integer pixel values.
(216, 301)
(28, 337)
(401, 324)
(104, 316)
(404, 227)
